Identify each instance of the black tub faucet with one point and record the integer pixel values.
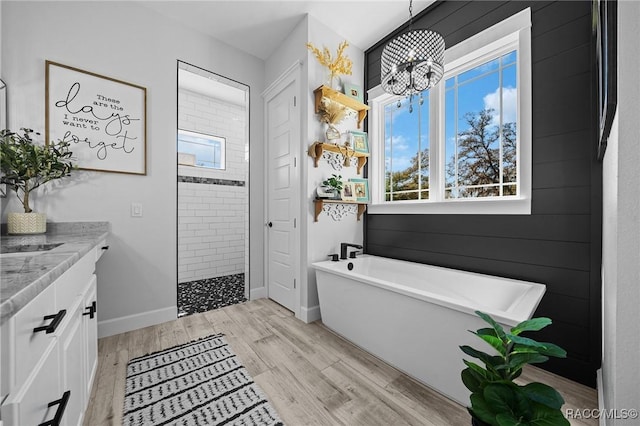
(343, 249)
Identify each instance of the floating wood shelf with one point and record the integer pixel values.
(317, 148)
(341, 98)
(319, 204)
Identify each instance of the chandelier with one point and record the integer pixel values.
(412, 62)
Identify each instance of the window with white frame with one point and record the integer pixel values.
(466, 147)
(480, 121)
(201, 149)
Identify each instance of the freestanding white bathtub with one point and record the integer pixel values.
(416, 316)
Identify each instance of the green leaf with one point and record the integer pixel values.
(543, 348)
(545, 416)
(507, 398)
(471, 380)
(492, 340)
(475, 353)
(481, 409)
(507, 419)
(520, 349)
(491, 362)
(524, 341)
(553, 350)
(517, 361)
(534, 324)
(497, 327)
(484, 374)
(487, 332)
(543, 394)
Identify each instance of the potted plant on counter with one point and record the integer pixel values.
(495, 398)
(26, 166)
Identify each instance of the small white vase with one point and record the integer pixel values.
(26, 223)
(333, 81)
(332, 133)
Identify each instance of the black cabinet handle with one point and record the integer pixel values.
(62, 405)
(105, 248)
(90, 313)
(56, 319)
(270, 224)
(92, 310)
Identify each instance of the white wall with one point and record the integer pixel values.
(129, 42)
(621, 230)
(322, 237)
(212, 212)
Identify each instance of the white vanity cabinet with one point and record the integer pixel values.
(52, 350)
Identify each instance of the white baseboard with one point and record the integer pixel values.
(133, 322)
(310, 314)
(600, 389)
(257, 293)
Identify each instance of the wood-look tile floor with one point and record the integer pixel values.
(310, 375)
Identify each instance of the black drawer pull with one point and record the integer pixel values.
(92, 310)
(51, 328)
(62, 405)
(105, 248)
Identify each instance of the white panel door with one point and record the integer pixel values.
(283, 138)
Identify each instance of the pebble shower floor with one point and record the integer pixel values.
(211, 293)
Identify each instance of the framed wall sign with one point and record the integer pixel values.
(103, 119)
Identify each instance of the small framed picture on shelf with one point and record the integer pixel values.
(360, 189)
(348, 192)
(353, 91)
(359, 141)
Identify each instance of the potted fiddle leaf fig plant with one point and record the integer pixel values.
(25, 166)
(495, 398)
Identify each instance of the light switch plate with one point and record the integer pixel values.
(136, 209)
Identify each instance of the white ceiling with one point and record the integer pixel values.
(259, 26)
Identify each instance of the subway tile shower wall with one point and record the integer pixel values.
(211, 230)
(212, 204)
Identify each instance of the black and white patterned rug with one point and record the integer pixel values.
(199, 383)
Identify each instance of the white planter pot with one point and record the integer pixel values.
(26, 223)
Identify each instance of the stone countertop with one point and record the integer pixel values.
(24, 276)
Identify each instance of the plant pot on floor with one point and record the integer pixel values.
(26, 223)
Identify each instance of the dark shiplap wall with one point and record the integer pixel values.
(559, 244)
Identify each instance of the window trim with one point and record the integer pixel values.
(513, 32)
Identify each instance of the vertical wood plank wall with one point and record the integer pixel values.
(559, 244)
